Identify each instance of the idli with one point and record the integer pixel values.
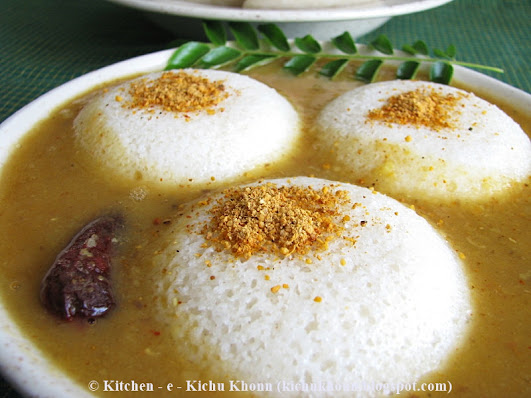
(310, 282)
(174, 127)
(424, 140)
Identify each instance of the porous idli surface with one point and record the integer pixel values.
(190, 125)
(424, 140)
(374, 295)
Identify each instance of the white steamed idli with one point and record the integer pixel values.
(424, 140)
(173, 127)
(278, 282)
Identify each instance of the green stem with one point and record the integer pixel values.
(383, 58)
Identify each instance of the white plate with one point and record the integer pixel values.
(182, 17)
(20, 361)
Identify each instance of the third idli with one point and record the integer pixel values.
(424, 140)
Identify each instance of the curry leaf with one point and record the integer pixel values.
(407, 70)
(187, 55)
(419, 47)
(408, 48)
(308, 44)
(245, 35)
(449, 53)
(441, 72)
(439, 53)
(345, 43)
(219, 56)
(383, 44)
(250, 61)
(299, 64)
(215, 32)
(368, 71)
(333, 68)
(275, 36)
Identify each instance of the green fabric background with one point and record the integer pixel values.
(44, 43)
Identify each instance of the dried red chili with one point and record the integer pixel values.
(78, 283)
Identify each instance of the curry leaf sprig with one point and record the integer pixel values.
(249, 51)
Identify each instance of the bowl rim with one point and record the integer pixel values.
(21, 362)
(206, 11)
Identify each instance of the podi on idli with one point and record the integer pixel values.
(190, 125)
(424, 140)
(307, 280)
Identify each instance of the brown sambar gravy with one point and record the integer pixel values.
(50, 190)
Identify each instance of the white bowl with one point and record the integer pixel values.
(21, 362)
(184, 18)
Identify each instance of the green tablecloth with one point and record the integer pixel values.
(44, 43)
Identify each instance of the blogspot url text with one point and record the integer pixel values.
(192, 386)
